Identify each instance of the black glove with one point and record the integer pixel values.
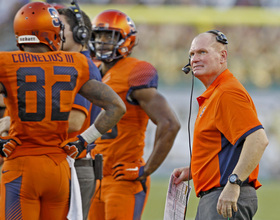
(7, 145)
(74, 146)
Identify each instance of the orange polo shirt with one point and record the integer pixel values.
(226, 116)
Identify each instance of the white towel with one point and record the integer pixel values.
(75, 209)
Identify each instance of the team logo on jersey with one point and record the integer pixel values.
(202, 111)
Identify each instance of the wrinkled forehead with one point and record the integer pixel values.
(204, 41)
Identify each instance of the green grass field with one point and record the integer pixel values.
(268, 195)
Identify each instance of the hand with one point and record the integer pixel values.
(74, 146)
(227, 201)
(127, 171)
(7, 145)
(181, 174)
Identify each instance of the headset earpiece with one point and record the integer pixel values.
(80, 32)
(220, 37)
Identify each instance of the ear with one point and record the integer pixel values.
(223, 56)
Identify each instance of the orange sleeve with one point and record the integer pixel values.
(240, 114)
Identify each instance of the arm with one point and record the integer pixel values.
(103, 96)
(251, 154)
(1, 88)
(7, 144)
(252, 151)
(2, 104)
(76, 120)
(5, 121)
(5, 124)
(113, 109)
(159, 111)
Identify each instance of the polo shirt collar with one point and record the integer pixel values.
(208, 92)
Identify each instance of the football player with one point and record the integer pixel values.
(125, 186)
(40, 84)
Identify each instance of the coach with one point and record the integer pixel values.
(229, 140)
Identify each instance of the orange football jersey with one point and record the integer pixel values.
(125, 142)
(40, 90)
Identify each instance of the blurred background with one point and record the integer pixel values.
(165, 31)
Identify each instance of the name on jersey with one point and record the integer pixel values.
(34, 58)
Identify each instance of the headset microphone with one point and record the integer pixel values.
(186, 69)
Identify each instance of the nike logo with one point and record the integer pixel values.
(132, 169)
(5, 171)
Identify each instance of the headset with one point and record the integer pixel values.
(220, 37)
(80, 32)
